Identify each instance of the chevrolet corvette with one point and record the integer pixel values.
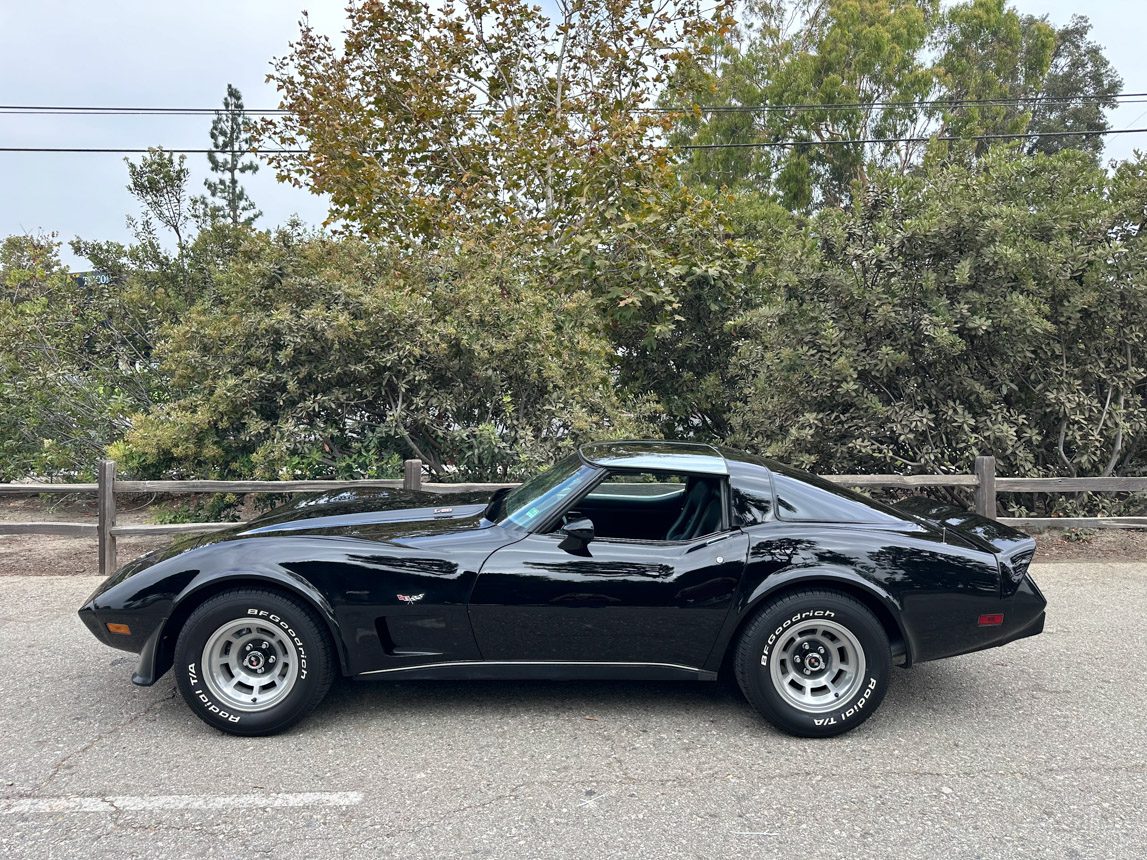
(626, 560)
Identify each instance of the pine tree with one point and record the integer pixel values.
(232, 137)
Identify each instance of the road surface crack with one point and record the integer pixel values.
(106, 734)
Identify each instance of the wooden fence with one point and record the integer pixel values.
(983, 482)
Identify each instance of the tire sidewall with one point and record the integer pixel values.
(766, 634)
(297, 627)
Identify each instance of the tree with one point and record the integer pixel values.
(440, 125)
(317, 355)
(993, 308)
(851, 65)
(438, 119)
(73, 362)
(1044, 81)
(159, 183)
(232, 138)
(1079, 88)
(831, 75)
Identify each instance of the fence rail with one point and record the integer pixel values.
(982, 480)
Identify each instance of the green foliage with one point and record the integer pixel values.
(1078, 67)
(315, 355)
(159, 183)
(874, 70)
(216, 508)
(520, 264)
(232, 138)
(999, 308)
(72, 363)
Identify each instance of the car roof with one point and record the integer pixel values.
(660, 455)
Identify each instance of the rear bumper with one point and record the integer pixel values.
(1024, 614)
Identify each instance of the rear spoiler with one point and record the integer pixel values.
(980, 531)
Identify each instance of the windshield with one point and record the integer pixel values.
(543, 494)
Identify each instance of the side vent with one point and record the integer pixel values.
(384, 638)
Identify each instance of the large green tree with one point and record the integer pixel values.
(828, 78)
(998, 308)
(317, 355)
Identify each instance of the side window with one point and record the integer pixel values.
(802, 500)
(654, 506)
(639, 486)
(752, 498)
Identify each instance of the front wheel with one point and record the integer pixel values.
(814, 663)
(253, 662)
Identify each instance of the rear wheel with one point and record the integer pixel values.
(253, 662)
(814, 663)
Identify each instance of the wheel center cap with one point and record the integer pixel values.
(254, 660)
(814, 662)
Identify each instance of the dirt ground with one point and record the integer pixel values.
(49, 555)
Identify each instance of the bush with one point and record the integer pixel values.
(997, 309)
(315, 356)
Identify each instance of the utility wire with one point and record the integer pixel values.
(687, 146)
(88, 110)
(920, 139)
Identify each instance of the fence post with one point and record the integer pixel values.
(105, 506)
(412, 475)
(986, 486)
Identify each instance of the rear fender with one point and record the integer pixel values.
(882, 604)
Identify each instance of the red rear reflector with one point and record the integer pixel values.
(993, 620)
(121, 629)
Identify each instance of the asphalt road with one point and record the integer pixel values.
(1032, 750)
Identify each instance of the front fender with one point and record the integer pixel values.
(158, 652)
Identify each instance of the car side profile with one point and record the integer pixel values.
(626, 560)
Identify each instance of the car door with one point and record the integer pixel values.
(613, 600)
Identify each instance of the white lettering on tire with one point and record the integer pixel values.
(852, 710)
(193, 677)
(275, 619)
(800, 616)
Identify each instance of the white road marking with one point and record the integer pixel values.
(166, 802)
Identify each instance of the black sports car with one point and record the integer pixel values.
(636, 560)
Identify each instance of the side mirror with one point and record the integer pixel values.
(578, 533)
(580, 528)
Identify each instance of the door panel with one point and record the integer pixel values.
(616, 601)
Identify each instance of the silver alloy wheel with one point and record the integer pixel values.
(249, 665)
(817, 666)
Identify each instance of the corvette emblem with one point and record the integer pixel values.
(410, 598)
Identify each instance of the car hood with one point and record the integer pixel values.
(364, 507)
(377, 515)
(372, 514)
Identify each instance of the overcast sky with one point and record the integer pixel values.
(165, 54)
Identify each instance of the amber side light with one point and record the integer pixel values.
(121, 629)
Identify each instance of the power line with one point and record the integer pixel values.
(921, 139)
(93, 110)
(1096, 132)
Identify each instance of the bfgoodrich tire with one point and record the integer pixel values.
(814, 663)
(253, 662)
